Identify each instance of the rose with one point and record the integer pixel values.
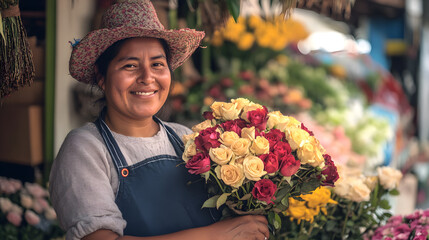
(249, 108)
(31, 217)
(188, 137)
(271, 162)
(281, 149)
(208, 138)
(50, 214)
(202, 125)
(200, 163)
(190, 151)
(274, 118)
(231, 175)
(221, 155)
(306, 153)
(248, 133)
(215, 107)
(296, 137)
(36, 190)
(253, 168)
(208, 115)
(241, 147)
(274, 136)
(330, 171)
(264, 190)
(241, 103)
(234, 125)
(260, 146)
(14, 218)
(389, 177)
(5, 205)
(229, 111)
(26, 201)
(358, 191)
(289, 165)
(228, 138)
(258, 118)
(306, 129)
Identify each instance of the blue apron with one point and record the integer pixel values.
(155, 195)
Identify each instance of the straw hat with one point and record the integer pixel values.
(127, 19)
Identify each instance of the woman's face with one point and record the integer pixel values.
(138, 79)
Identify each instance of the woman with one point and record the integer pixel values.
(121, 177)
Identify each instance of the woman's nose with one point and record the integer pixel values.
(145, 76)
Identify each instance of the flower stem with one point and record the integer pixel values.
(217, 180)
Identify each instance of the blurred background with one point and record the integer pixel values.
(359, 78)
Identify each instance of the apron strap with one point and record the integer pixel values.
(173, 137)
(111, 144)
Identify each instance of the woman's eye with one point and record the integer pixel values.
(130, 66)
(158, 64)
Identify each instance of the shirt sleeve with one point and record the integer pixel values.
(80, 186)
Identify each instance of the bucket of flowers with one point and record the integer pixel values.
(254, 160)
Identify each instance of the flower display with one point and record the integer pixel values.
(25, 212)
(254, 160)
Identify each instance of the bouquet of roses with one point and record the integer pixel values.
(254, 160)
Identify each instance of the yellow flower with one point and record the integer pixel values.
(215, 107)
(309, 153)
(190, 151)
(202, 126)
(246, 41)
(389, 177)
(231, 175)
(228, 138)
(189, 137)
(248, 108)
(229, 111)
(253, 168)
(240, 147)
(296, 137)
(260, 146)
(248, 133)
(241, 102)
(221, 155)
(254, 21)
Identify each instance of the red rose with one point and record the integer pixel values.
(281, 149)
(274, 136)
(200, 163)
(306, 129)
(271, 162)
(330, 172)
(264, 190)
(207, 138)
(258, 118)
(234, 125)
(208, 115)
(289, 165)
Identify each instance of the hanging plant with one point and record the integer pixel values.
(16, 61)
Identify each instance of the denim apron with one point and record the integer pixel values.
(156, 195)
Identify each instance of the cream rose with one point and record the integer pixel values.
(296, 137)
(389, 177)
(241, 147)
(371, 182)
(260, 145)
(287, 122)
(248, 133)
(358, 191)
(202, 126)
(190, 151)
(274, 119)
(248, 108)
(229, 111)
(26, 201)
(5, 205)
(241, 102)
(231, 175)
(228, 138)
(221, 155)
(253, 168)
(188, 137)
(215, 107)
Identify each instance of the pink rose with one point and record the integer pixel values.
(274, 136)
(200, 163)
(207, 138)
(208, 115)
(258, 118)
(234, 125)
(14, 218)
(271, 162)
(330, 172)
(289, 165)
(264, 190)
(31, 217)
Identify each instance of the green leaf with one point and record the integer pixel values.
(384, 204)
(285, 202)
(246, 197)
(310, 186)
(275, 220)
(222, 199)
(1, 29)
(211, 202)
(234, 8)
(394, 192)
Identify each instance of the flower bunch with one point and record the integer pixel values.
(256, 160)
(25, 212)
(413, 226)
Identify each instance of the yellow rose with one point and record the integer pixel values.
(287, 122)
(296, 137)
(190, 151)
(202, 125)
(215, 107)
(189, 137)
(260, 146)
(229, 111)
(274, 119)
(371, 182)
(253, 168)
(221, 155)
(248, 108)
(310, 154)
(389, 177)
(228, 138)
(231, 175)
(248, 133)
(358, 191)
(241, 102)
(241, 147)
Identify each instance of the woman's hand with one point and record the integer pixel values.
(249, 227)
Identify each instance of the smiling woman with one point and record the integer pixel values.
(120, 177)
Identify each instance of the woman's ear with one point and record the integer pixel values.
(99, 78)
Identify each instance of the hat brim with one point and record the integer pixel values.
(182, 43)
